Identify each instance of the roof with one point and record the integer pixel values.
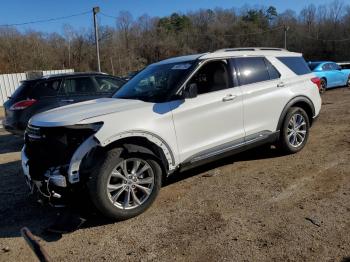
(179, 59)
(230, 52)
(72, 74)
(249, 51)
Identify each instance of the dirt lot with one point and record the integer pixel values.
(257, 206)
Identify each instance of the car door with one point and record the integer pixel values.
(77, 89)
(340, 77)
(264, 95)
(213, 120)
(331, 75)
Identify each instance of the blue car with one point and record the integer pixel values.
(330, 74)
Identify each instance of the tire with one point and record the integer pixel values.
(114, 194)
(323, 85)
(292, 138)
(348, 83)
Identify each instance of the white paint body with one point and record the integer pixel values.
(190, 126)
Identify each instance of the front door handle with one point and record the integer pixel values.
(229, 98)
(280, 84)
(68, 100)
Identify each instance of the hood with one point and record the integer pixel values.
(73, 114)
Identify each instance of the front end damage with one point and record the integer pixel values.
(54, 160)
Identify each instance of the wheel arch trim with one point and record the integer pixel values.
(151, 137)
(291, 103)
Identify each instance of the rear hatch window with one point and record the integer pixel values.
(23, 90)
(296, 63)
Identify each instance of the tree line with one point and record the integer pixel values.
(319, 32)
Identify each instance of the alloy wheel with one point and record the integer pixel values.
(130, 183)
(296, 130)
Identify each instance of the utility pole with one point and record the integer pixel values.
(112, 65)
(96, 10)
(286, 28)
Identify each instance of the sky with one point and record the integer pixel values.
(21, 11)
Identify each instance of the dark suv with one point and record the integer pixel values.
(39, 95)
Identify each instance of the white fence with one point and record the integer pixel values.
(9, 82)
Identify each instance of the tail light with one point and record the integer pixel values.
(23, 104)
(316, 81)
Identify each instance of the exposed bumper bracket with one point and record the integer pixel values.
(83, 149)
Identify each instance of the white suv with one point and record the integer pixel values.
(174, 115)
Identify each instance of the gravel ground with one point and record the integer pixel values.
(256, 206)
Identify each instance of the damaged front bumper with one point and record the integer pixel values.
(52, 188)
(57, 182)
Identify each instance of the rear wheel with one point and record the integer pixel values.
(126, 184)
(295, 130)
(323, 85)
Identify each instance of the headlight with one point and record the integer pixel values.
(93, 126)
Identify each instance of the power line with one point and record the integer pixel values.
(107, 15)
(46, 20)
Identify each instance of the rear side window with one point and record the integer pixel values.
(81, 85)
(335, 66)
(274, 74)
(296, 63)
(251, 70)
(46, 88)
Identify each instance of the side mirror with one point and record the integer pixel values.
(191, 91)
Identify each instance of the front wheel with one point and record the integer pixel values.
(348, 82)
(126, 184)
(295, 130)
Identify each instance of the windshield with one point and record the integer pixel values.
(156, 82)
(313, 65)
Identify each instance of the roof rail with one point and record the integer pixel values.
(250, 49)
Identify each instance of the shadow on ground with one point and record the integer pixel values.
(10, 143)
(263, 152)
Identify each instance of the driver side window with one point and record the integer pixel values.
(211, 77)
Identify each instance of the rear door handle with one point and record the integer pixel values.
(280, 84)
(68, 100)
(229, 98)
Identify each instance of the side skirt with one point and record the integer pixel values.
(231, 148)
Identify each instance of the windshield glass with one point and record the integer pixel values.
(156, 82)
(313, 65)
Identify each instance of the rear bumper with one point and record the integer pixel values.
(13, 129)
(15, 121)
